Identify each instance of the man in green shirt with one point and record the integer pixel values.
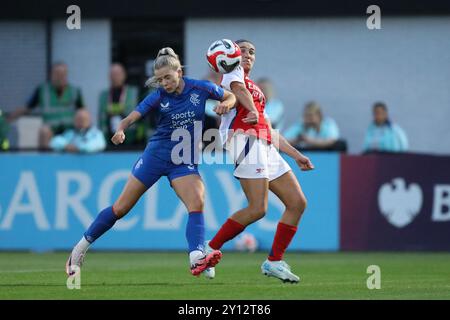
(56, 102)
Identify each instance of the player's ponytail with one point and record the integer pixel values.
(166, 58)
(167, 51)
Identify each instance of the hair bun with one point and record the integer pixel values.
(167, 51)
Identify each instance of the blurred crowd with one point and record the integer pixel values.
(314, 131)
(67, 125)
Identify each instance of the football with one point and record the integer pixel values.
(223, 56)
(246, 242)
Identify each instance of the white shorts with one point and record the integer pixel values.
(255, 158)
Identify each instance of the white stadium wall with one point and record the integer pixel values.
(22, 61)
(346, 67)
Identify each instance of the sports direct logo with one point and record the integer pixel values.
(400, 203)
(182, 120)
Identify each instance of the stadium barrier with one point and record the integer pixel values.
(395, 202)
(48, 200)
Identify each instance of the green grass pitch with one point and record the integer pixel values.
(150, 275)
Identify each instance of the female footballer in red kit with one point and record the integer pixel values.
(259, 167)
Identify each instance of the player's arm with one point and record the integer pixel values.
(245, 99)
(227, 103)
(283, 145)
(119, 135)
(150, 102)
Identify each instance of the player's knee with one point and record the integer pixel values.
(121, 209)
(298, 205)
(197, 204)
(258, 211)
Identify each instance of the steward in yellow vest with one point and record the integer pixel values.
(115, 104)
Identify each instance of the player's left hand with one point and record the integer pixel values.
(221, 109)
(118, 137)
(304, 163)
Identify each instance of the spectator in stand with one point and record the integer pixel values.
(383, 135)
(4, 128)
(315, 132)
(84, 138)
(56, 101)
(212, 120)
(274, 107)
(116, 103)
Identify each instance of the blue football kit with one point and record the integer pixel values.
(179, 115)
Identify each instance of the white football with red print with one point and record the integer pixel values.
(246, 242)
(223, 56)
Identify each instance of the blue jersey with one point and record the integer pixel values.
(178, 111)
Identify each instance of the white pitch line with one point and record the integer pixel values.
(31, 270)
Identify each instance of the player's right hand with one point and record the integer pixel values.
(118, 137)
(251, 118)
(304, 163)
(221, 109)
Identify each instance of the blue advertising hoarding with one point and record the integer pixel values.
(48, 200)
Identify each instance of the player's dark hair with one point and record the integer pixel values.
(243, 40)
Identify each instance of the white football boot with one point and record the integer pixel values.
(75, 261)
(280, 270)
(209, 273)
(76, 258)
(201, 261)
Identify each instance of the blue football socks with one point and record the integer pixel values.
(104, 221)
(195, 231)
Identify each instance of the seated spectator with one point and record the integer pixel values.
(82, 139)
(4, 128)
(274, 107)
(315, 132)
(116, 103)
(383, 135)
(56, 101)
(212, 120)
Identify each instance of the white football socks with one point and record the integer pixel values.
(82, 245)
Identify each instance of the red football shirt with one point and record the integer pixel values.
(233, 119)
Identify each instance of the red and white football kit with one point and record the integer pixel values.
(250, 145)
